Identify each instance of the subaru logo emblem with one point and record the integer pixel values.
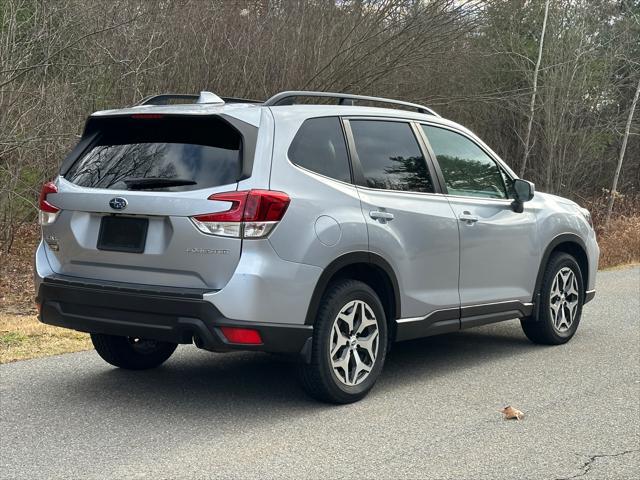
(118, 203)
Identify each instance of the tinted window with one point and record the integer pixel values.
(135, 153)
(390, 156)
(320, 147)
(467, 170)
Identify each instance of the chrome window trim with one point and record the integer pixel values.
(404, 192)
(506, 201)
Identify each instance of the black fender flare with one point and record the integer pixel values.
(562, 238)
(351, 258)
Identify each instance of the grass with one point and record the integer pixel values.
(23, 337)
(620, 243)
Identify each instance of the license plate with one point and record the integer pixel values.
(123, 234)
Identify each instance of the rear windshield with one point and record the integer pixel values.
(160, 153)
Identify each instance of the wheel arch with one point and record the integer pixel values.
(568, 243)
(367, 267)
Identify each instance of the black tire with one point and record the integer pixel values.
(542, 330)
(318, 377)
(132, 353)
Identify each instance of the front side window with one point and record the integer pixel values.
(319, 146)
(468, 171)
(390, 156)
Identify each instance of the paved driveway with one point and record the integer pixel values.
(433, 413)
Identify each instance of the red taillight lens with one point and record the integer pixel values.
(252, 214)
(45, 206)
(245, 336)
(233, 214)
(265, 206)
(48, 212)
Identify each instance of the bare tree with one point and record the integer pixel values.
(474, 61)
(623, 148)
(534, 91)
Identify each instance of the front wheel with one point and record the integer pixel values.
(561, 300)
(349, 344)
(132, 353)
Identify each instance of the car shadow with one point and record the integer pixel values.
(195, 382)
(420, 359)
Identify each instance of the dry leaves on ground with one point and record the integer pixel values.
(511, 413)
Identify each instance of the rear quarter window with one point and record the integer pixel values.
(176, 153)
(320, 146)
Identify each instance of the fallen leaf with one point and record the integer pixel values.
(511, 413)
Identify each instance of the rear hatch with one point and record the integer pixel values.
(128, 192)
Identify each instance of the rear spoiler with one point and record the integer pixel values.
(204, 97)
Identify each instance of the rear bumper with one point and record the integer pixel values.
(169, 314)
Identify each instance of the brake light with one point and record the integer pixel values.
(147, 116)
(245, 336)
(47, 212)
(252, 214)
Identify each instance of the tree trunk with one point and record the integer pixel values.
(532, 105)
(616, 176)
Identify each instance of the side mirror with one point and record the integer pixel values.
(523, 192)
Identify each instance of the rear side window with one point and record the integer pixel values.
(390, 156)
(169, 154)
(319, 146)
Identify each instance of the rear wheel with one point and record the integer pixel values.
(561, 300)
(349, 344)
(132, 353)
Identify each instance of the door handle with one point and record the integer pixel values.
(467, 217)
(382, 216)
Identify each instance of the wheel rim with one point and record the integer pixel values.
(564, 299)
(353, 348)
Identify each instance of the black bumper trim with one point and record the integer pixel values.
(589, 295)
(169, 316)
(155, 290)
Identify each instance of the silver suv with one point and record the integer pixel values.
(328, 231)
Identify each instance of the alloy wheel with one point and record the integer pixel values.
(564, 299)
(353, 348)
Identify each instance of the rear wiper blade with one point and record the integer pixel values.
(156, 182)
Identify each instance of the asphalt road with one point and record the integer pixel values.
(433, 414)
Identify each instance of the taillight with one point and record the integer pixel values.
(252, 214)
(47, 212)
(245, 336)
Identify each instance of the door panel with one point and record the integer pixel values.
(420, 242)
(498, 247)
(498, 251)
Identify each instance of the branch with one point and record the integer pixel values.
(66, 47)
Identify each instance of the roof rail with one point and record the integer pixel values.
(286, 98)
(163, 99)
